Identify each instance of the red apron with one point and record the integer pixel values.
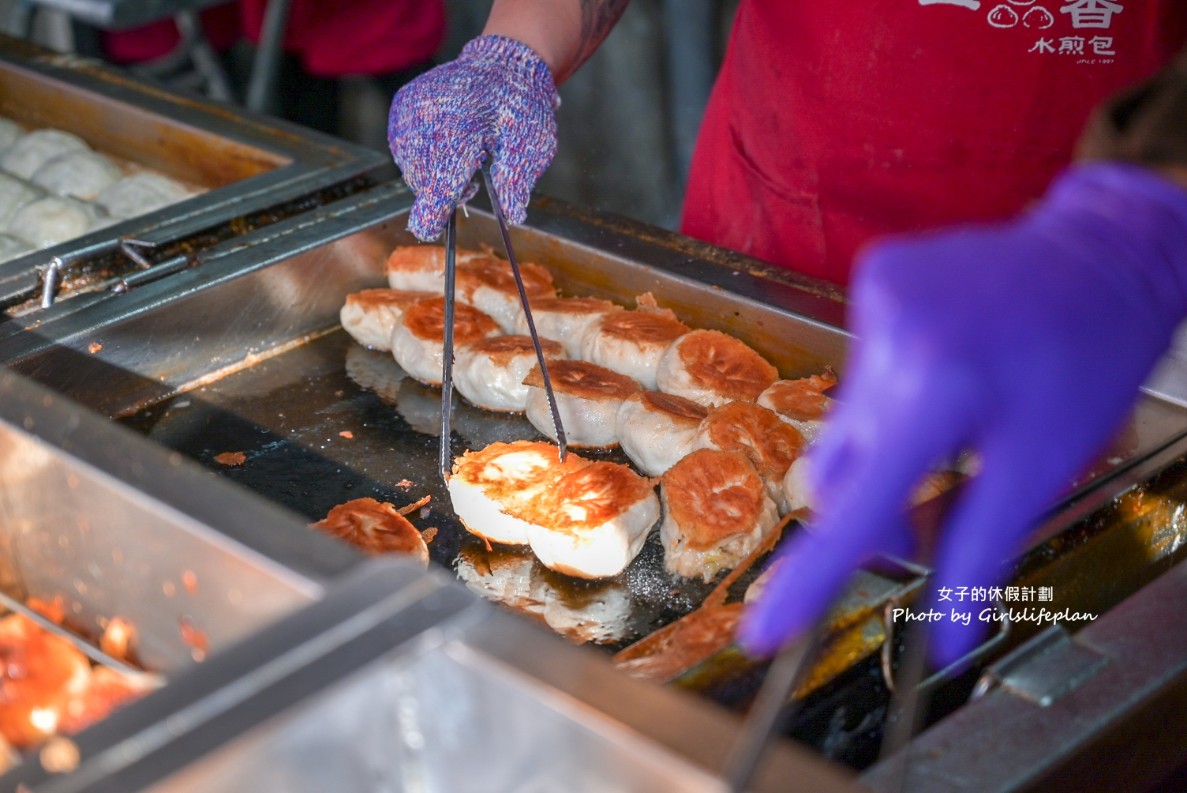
(834, 122)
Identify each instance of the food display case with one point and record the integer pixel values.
(222, 351)
(243, 172)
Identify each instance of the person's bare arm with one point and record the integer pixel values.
(564, 33)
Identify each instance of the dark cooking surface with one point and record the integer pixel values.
(329, 421)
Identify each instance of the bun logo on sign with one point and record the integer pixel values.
(1031, 15)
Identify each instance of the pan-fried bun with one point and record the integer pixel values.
(418, 339)
(374, 527)
(588, 397)
(490, 372)
(716, 511)
(632, 342)
(371, 315)
(656, 429)
(421, 268)
(712, 368)
(492, 488)
(801, 403)
(488, 284)
(758, 433)
(592, 523)
(566, 319)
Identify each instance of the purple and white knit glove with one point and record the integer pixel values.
(496, 101)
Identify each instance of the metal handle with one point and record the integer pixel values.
(772, 708)
(50, 276)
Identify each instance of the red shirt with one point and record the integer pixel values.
(833, 122)
(373, 37)
(356, 36)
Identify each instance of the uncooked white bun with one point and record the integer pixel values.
(77, 174)
(34, 149)
(51, 220)
(11, 248)
(14, 194)
(9, 132)
(141, 193)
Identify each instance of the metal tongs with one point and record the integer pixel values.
(445, 459)
(774, 707)
(911, 689)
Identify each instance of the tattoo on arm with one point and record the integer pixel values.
(598, 17)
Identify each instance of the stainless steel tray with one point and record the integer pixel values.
(248, 163)
(424, 688)
(118, 527)
(284, 284)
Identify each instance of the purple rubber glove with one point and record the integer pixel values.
(497, 101)
(1025, 342)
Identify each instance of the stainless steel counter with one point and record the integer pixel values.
(243, 349)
